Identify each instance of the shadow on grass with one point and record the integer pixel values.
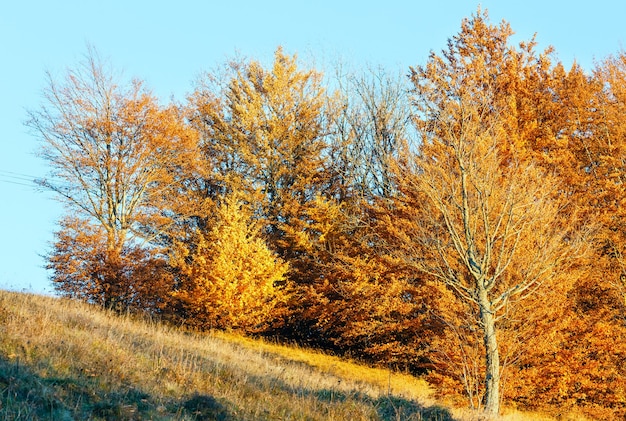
(396, 408)
(387, 407)
(205, 407)
(26, 395)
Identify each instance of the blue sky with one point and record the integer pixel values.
(168, 44)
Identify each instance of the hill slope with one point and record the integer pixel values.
(62, 360)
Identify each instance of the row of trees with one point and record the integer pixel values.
(465, 222)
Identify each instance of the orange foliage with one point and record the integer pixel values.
(356, 303)
(135, 278)
(279, 208)
(479, 213)
(112, 149)
(263, 135)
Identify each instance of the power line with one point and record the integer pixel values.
(18, 183)
(14, 177)
(14, 174)
(20, 179)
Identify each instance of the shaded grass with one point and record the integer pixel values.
(62, 360)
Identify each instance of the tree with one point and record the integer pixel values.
(229, 278)
(112, 149)
(264, 136)
(475, 211)
(135, 279)
(368, 131)
(591, 110)
(480, 221)
(356, 304)
(605, 157)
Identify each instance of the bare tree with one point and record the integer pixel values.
(371, 125)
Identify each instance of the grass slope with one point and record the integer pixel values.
(62, 360)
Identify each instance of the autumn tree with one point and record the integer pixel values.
(111, 149)
(475, 212)
(228, 277)
(136, 279)
(263, 134)
(359, 305)
(486, 226)
(604, 155)
(590, 106)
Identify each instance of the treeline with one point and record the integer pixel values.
(465, 222)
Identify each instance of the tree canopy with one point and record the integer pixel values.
(464, 222)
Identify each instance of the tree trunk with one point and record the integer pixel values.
(492, 357)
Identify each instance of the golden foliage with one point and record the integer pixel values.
(111, 148)
(477, 212)
(263, 135)
(229, 277)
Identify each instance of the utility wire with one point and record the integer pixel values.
(20, 179)
(17, 174)
(15, 177)
(17, 183)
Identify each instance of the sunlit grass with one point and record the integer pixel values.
(61, 360)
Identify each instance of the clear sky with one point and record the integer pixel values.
(169, 43)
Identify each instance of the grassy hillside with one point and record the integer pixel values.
(61, 360)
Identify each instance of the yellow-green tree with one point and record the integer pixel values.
(228, 277)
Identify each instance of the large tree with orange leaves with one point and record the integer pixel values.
(475, 212)
(591, 106)
(481, 222)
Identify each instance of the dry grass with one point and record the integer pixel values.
(62, 360)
